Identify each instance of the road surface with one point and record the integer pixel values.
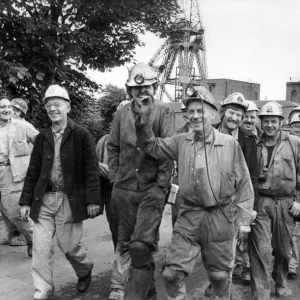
(16, 283)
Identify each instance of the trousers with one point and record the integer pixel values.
(209, 232)
(140, 214)
(272, 234)
(294, 263)
(10, 209)
(55, 218)
(242, 253)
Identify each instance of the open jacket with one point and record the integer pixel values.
(79, 168)
(129, 166)
(247, 142)
(283, 171)
(228, 172)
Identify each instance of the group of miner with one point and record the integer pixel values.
(238, 201)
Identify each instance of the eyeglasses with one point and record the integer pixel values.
(56, 105)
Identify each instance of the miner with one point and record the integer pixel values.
(61, 190)
(217, 194)
(140, 185)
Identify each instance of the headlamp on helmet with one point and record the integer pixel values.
(190, 91)
(139, 79)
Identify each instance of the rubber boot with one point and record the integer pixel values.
(139, 283)
(221, 284)
(152, 294)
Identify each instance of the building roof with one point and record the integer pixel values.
(228, 79)
(285, 104)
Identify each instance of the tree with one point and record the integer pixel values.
(55, 41)
(102, 112)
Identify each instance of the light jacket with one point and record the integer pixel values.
(229, 176)
(129, 167)
(19, 139)
(247, 142)
(283, 167)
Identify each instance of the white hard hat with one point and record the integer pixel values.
(295, 118)
(182, 107)
(235, 99)
(56, 91)
(294, 110)
(141, 74)
(271, 108)
(20, 104)
(252, 106)
(200, 93)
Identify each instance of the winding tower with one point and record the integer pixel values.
(181, 60)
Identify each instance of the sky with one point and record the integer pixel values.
(249, 40)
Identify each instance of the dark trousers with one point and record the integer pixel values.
(110, 210)
(140, 214)
(271, 235)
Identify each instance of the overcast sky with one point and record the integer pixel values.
(248, 40)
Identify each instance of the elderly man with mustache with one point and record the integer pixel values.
(250, 119)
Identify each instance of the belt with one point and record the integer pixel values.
(5, 163)
(281, 197)
(54, 188)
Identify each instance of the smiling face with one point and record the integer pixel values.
(295, 129)
(139, 92)
(5, 110)
(57, 110)
(232, 117)
(271, 125)
(200, 118)
(250, 120)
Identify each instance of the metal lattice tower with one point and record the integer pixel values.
(181, 60)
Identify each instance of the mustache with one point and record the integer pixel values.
(232, 121)
(248, 122)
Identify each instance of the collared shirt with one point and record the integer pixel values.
(56, 172)
(234, 133)
(229, 180)
(4, 143)
(200, 178)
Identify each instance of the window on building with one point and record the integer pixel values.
(294, 95)
(256, 96)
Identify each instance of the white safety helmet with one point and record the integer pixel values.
(295, 118)
(252, 106)
(194, 93)
(141, 74)
(271, 108)
(236, 99)
(294, 110)
(56, 91)
(20, 104)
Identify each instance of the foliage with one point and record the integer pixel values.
(55, 41)
(102, 112)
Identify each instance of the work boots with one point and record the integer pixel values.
(139, 283)
(281, 291)
(116, 294)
